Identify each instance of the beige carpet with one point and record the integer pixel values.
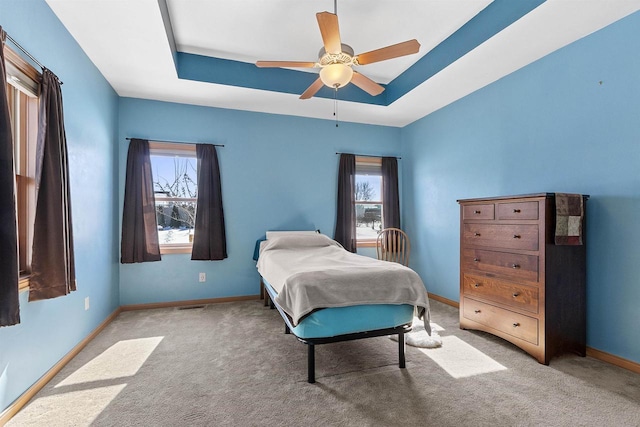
(232, 364)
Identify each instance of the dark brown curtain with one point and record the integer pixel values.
(209, 241)
(346, 216)
(139, 223)
(9, 306)
(52, 266)
(390, 198)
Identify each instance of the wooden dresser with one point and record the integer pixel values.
(515, 282)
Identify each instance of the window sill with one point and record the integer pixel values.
(366, 244)
(23, 283)
(175, 249)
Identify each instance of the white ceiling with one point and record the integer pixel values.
(127, 41)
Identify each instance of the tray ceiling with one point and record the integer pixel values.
(202, 52)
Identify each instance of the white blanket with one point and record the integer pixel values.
(314, 271)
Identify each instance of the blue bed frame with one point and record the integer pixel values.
(270, 295)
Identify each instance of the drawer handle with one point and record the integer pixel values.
(515, 325)
(477, 212)
(476, 260)
(476, 234)
(516, 211)
(516, 236)
(515, 265)
(476, 311)
(477, 285)
(516, 294)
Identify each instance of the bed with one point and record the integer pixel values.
(326, 294)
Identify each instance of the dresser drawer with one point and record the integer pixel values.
(518, 266)
(478, 212)
(508, 236)
(514, 324)
(517, 210)
(505, 293)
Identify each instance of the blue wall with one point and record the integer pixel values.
(568, 123)
(277, 172)
(50, 329)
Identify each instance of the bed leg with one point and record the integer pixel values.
(311, 365)
(401, 350)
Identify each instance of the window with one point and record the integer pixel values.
(368, 200)
(175, 185)
(22, 92)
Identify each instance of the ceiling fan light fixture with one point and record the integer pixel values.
(336, 75)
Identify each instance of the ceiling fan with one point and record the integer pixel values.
(336, 59)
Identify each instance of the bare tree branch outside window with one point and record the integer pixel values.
(364, 191)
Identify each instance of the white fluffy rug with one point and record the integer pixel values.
(418, 337)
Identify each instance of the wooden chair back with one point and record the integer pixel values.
(393, 245)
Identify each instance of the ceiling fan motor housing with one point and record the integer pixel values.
(344, 57)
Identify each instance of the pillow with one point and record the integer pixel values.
(294, 241)
(272, 234)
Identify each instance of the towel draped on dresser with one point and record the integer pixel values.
(569, 219)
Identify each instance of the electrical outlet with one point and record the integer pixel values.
(203, 277)
(86, 303)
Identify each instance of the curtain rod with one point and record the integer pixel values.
(369, 155)
(26, 52)
(179, 142)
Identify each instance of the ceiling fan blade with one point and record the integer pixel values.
(393, 51)
(366, 84)
(283, 64)
(313, 89)
(328, 23)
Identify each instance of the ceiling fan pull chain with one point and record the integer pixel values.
(335, 105)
